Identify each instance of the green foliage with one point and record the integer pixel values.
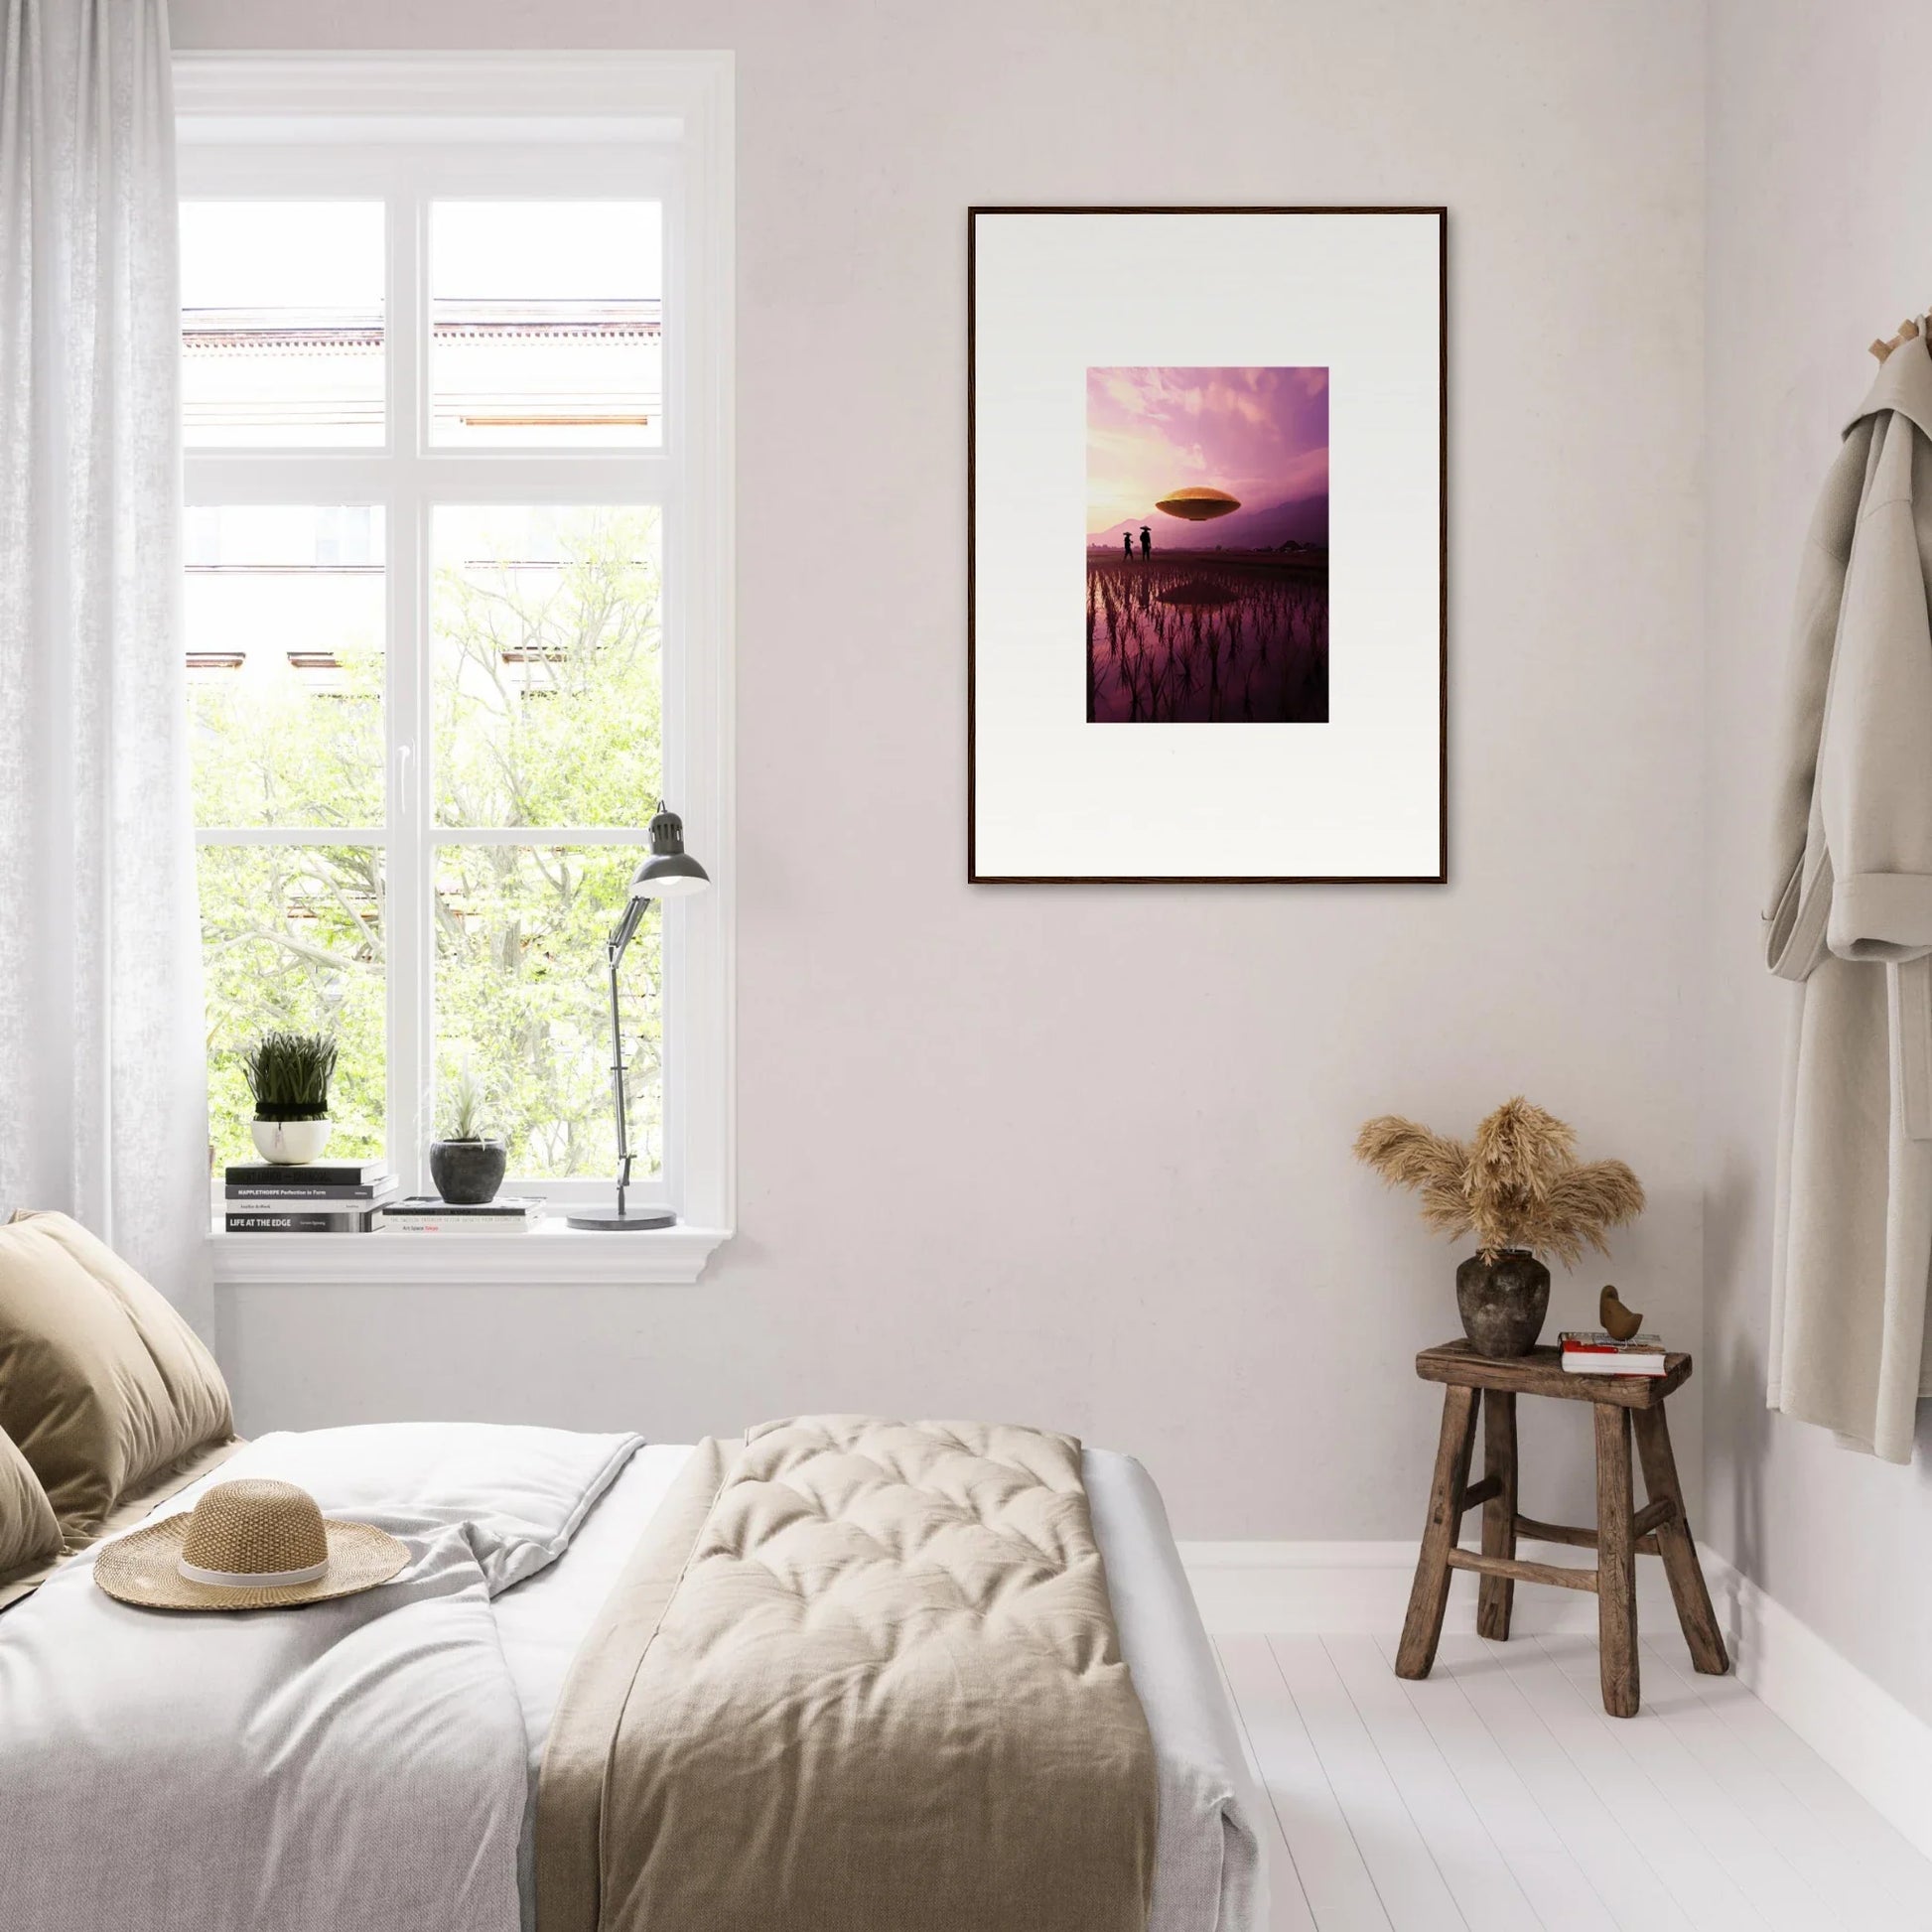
(288, 1073)
(547, 691)
(547, 701)
(292, 941)
(521, 996)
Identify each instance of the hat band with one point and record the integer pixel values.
(252, 1579)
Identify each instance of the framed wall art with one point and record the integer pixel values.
(1208, 545)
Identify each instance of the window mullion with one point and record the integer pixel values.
(409, 908)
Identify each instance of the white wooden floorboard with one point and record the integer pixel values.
(1288, 1904)
(1616, 1864)
(1707, 1892)
(1497, 1796)
(1411, 1888)
(1556, 1885)
(1335, 1883)
(1862, 1901)
(1485, 1889)
(1841, 1814)
(1776, 1890)
(1240, 1719)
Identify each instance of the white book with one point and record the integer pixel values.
(456, 1223)
(1575, 1363)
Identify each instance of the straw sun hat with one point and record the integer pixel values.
(248, 1545)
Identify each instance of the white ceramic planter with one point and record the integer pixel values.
(290, 1142)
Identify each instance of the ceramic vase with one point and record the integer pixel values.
(1503, 1302)
(290, 1142)
(467, 1174)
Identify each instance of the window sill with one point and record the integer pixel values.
(550, 1256)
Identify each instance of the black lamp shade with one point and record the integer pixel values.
(670, 872)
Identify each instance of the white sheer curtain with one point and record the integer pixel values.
(101, 1064)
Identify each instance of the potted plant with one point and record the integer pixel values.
(1519, 1188)
(467, 1163)
(289, 1075)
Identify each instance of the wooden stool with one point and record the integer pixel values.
(1659, 1529)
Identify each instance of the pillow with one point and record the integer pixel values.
(29, 1535)
(102, 1385)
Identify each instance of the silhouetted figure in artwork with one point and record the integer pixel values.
(1146, 544)
(1127, 544)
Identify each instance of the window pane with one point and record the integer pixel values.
(548, 691)
(546, 324)
(284, 627)
(293, 937)
(522, 1000)
(281, 324)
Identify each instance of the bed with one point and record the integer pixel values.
(525, 1623)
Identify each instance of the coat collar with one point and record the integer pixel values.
(1904, 384)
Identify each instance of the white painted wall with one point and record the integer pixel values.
(1820, 238)
(1080, 1156)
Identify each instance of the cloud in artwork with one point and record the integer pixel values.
(1260, 434)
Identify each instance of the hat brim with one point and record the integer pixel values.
(142, 1569)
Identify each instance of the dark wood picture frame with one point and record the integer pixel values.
(974, 876)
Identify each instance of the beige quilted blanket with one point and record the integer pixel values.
(861, 1677)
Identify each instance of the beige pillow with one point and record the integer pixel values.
(102, 1385)
(29, 1535)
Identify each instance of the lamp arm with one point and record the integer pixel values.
(625, 928)
(614, 948)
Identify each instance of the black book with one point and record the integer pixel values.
(301, 1221)
(315, 1173)
(369, 1196)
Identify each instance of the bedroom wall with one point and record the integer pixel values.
(1820, 239)
(1080, 1156)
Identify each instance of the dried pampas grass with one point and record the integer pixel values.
(1516, 1185)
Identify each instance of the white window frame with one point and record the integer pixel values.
(404, 128)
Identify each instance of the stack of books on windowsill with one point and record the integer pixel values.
(426, 1214)
(320, 1197)
(1593, 1351)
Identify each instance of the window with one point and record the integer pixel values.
(455, 341)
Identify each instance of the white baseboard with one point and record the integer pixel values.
(1883, 1750)
(1878, 1746)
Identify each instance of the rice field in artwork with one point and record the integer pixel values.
(1207, 546)
(1204, 640)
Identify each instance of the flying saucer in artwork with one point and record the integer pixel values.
(1198, 505)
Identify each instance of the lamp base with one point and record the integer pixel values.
(606, 1220)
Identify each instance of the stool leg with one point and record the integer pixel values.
(1678, 1547)
(1497, 1595)
(1422, 1629)
(1617, 1563)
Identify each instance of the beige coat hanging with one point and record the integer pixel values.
(1851, 918)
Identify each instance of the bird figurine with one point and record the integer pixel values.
(1618, 1321)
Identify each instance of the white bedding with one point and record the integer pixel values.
(1208, 1865)
(352, 1767)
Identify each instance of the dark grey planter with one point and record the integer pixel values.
(467, 1174)
(1503, 1302)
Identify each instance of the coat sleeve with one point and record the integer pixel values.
(1799, 903)
(1875, 767)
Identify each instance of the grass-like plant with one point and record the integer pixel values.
(289, 1075)
(1516, 1185)
(463, 1109)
